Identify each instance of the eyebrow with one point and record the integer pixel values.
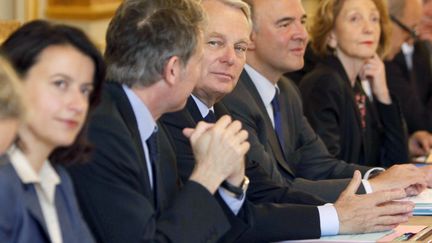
(289, 19)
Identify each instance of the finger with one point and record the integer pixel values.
(223, 122)
(233, 128)
(391, 220)
(387, 195)
(240, 137)
(395, 208)
(199, 130)
(244, 147)
(188, 132)
(354, 184)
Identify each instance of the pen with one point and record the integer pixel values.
(425, 234)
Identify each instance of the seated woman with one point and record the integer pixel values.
(11, 105)
(345, 97)
(62, 73)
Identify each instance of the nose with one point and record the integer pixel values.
(300, 32)
(229, 55)
(78, 102)
(368, 27)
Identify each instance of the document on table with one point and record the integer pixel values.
(385, 236)
(423, 202)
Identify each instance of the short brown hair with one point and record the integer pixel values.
(324, 22)
(11, 104)
(144, 34)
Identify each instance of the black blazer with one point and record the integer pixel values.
(114, 190)
(305, 164)
(414, 89)
(269, 220)
(330, 106)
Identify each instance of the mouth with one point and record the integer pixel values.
(223, 75)
(298, 51)
(369, 43)
(70, 123)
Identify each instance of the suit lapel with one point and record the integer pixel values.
(32, 203)
(125, 109)
(271, 134)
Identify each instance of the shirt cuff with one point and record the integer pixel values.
(366, 184)
(233, 203)
(329, 220)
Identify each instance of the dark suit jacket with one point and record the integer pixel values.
(330, 106)
(414, 89)
(305, 164)
(21, 218)
(114, 190)
(270, 221)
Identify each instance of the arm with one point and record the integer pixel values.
(118, 206)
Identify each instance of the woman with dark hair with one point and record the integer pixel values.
(345, 97)
(62, 74)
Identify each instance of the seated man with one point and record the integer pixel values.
(282, 140)
(129, 190)
(227, 37)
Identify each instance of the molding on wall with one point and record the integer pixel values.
(90, 12)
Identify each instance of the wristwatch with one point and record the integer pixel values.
(238, 191)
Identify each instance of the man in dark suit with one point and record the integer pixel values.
(224, 56)
(285, 145)
(409, 72)
(129, 191)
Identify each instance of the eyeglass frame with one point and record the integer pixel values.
(411, 31)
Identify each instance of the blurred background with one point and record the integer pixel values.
(92, 16)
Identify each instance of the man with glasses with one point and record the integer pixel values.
(409, 73)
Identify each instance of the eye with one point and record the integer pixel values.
(61, 84)
(215, 43)
(87, 90)
(375, 19)
(241, 48)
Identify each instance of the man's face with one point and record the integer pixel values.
(411, 18)
(226, 39)
(279, 37)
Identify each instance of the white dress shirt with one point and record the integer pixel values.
(45, 183)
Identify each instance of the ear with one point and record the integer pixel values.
(331, 40)
(251, 45)
(172, 70)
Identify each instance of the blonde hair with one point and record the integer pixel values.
(11, 104)
(324, 22)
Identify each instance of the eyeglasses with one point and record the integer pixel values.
(412, 32)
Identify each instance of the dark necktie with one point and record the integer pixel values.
(153, 154)
(277, 119)
(210, 118)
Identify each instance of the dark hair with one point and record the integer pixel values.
(23, 48)
(143, 35)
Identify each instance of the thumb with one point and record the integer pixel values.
(354, 184)
(188, 132)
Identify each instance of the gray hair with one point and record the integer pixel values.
(11, 104)
(144, 34)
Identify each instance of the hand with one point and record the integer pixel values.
(427, 171)
(405, 176)
(219, 152)
(420, 143)
(373, 70)
(370, 212)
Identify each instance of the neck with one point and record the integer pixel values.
(35, 150)
(151, 99)
(351, 65)
(206, 98)
(264, 69)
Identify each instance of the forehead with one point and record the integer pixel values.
(274, 10)
(349, 5)
(233, 21)
(413, 12)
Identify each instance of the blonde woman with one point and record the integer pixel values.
(11, 106)
(346, 97)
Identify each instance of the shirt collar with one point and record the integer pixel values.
(265, 88)
(146, 123)
(204, 110)
(47, 178)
